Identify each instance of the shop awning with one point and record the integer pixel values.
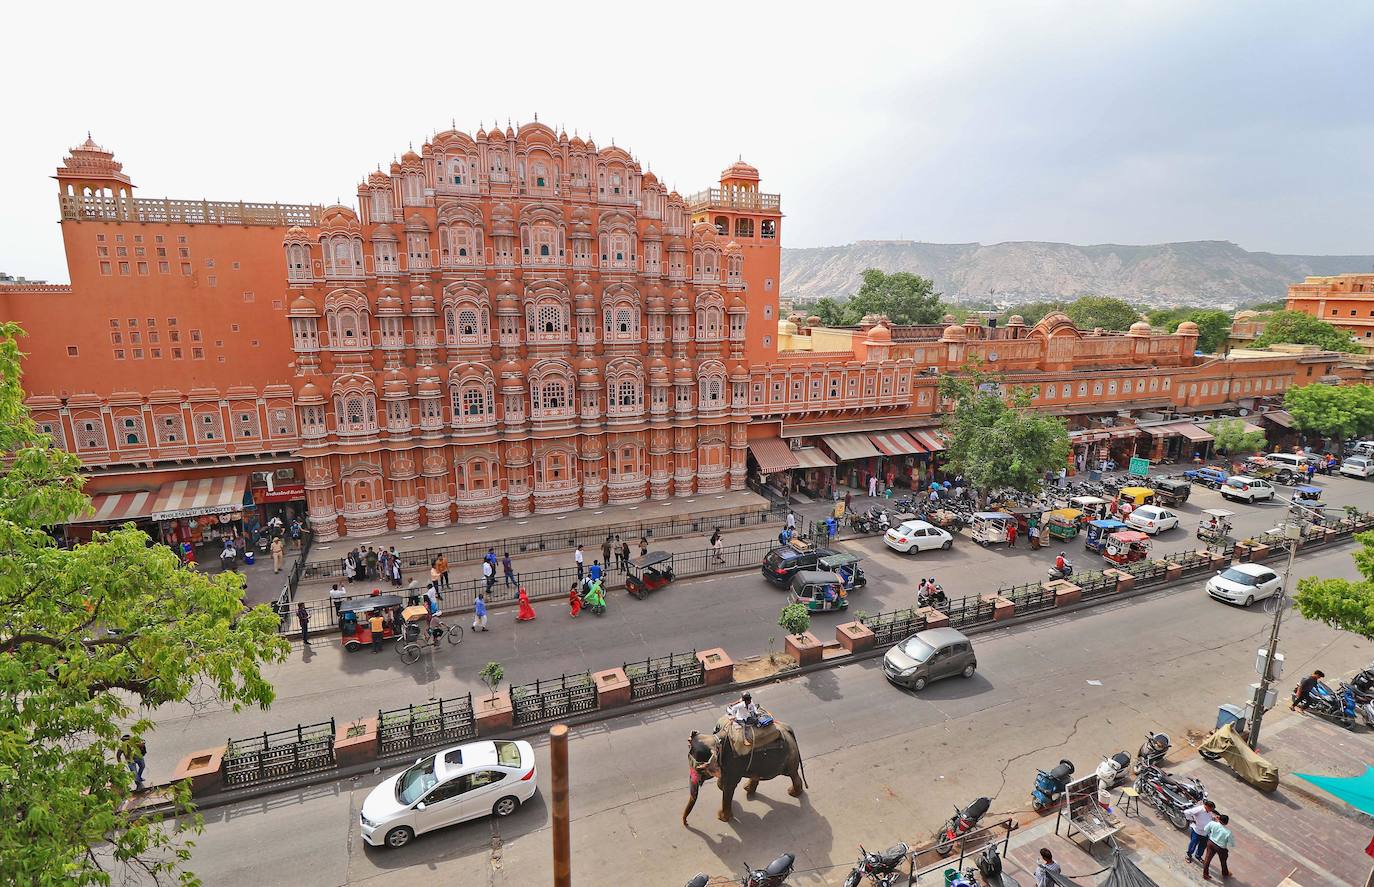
(1183, 429)
(116, 508)
(895, 443)
(813, 457)
(851, 446)
(1278, 417)
(210, 495)
(933, 440)
(773, 454)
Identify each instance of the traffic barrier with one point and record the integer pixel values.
(280, 755)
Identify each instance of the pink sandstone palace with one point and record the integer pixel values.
(510, 323)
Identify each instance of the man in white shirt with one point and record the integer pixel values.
(581, 562)
(1198, 817)
(337, 596)
(743, 710)
(432, 600)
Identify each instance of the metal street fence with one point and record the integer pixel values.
(552, 699)
(420, 726)
(969, 611)
(293, 578)
(1029, 598)
(667, 674)
(564, 540)
(279, 755)
(889, 628)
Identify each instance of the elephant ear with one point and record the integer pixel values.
(701, 752)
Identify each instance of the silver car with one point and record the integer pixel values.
(928, 656)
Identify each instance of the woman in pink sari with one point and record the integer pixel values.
(526, 613)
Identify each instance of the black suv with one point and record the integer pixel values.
(784, 562)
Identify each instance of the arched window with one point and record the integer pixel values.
(458, 171)
(381, 205)
(709, 323)
(711, 392)
(355, 412)
(467, 324)
(548, 322)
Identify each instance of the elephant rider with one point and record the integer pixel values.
(744, 712)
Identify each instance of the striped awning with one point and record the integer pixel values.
(813, 457)
(773, 454)
(895, 443)
(933, 440)
(210, 495)
(847, 447)
(116, 508)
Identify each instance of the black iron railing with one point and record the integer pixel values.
(664, 675)
(280, 755)
(557, 698)
(421, 726)
(889, 628)
(1030, 598)
(969, 611)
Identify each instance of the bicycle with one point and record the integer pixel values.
(408, 644)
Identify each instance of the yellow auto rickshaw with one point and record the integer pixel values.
(1063, 523)
(1137, 496)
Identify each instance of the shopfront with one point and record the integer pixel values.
(196, 516)
(277, 494)
(857, 459)
(933, 441)
(110, 511)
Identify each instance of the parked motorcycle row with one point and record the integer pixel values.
(1349, 703)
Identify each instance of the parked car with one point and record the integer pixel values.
(1207, 476)
(1246, 489)
(1152, 519)
(1296, 461)
(1358, 466)
(784, 562)
(928, 656)
(1244, 584)
(448, 787)
(1360, 448)
(918, 535)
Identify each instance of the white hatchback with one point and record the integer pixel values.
(1358, 466)
(1244, 584)
(917, 535)
(1249, 489)
(449, 787)
(1152, 519)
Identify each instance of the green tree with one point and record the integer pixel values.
(1090, 312)
(904, 297)
(1232, 438)
(1343, 604)
(1214, 327)
(1297, 328)
(1168, 318)
(1266, 307)
(1334, 411)
(492, 674)
(794, 619)
(90, 638)
(831, 312)
(995, 440)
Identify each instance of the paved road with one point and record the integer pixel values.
(883, 764)
(738, 612)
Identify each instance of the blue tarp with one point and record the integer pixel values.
(1357, 791)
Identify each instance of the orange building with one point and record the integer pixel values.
(1346, 301)
(510, 323)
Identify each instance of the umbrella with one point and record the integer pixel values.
(1357, 791)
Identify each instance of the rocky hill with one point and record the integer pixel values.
(1203, 272)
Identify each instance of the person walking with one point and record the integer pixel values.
(296, 532)
(303, 620)
(574, 600)
(372, 563)
(441, 562)
(873, 486)
(508, 570)
(488, 574)
(1033, 532)
(1219, 844)
(134, 755)
(1011, 534)
(336, 597)
(848, 501)
(791, 520)
(606, 551)
(479, 614)
(526, 613)
(1046, 866)
(395, 570)
(1199, 816)
(624, 554)
(435, 577)
(580, 559)
(717, 547)
(278, 550)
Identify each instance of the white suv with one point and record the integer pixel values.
(1358, 466)
(1248, 489)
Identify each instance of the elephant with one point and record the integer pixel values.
(714, 756)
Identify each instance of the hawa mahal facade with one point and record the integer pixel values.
(508, 323)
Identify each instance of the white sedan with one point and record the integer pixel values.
(1152, 519)
(917, 535)
(449, 787)
(1244, 584)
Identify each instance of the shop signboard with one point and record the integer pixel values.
(283, 493)
(1140, 467)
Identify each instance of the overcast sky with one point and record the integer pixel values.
(1118, 122)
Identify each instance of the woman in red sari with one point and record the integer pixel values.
(574, 600)
(526, 613)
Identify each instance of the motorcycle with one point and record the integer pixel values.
(1050, 786)
(960, 824)
(1110, 771)
(932, 595)
(1056, 573)
(772, 876)
(1364, 703)
(1330, 705)
(1152, 751)
(1169, 794)
(881, 868)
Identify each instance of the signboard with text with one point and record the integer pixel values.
(1140, 467)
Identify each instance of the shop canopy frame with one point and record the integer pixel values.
(895, 443)
(933, 439)
(813, 457)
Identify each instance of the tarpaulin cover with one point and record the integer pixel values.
(1357, 791)
(1248, 765)
(1126, 874)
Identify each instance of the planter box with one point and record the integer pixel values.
(203, 770)
(720, 668)
(1001, 607)
(933, 617)
(1124, 581)
(1328, 535)
(1173, 571)
(854, 636)
(612, 688)
(805, 649)
(1259, 552)
(1065, 592)
(1241, 554)
(349, 750)
(492, 715)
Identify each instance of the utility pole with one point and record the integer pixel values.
(1293, 532)
(562, 844)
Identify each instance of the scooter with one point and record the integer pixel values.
(883, 869)
(1050, 786)
(1169, 794)
(960, 824)
(1330, 705)
(1056, 573)
(1152, 751)
(1110, 771)
(932, 596)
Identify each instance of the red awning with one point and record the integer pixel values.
(116, 508)
(895, 443)
(933, 440)
(210, 495)
(773, 454)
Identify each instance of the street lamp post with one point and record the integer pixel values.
(1293, 532)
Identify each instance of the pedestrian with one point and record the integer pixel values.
(479, 614)
(1219, 844)
(336, 597)
(378, 627)
(1011, 534)
(1033, 531)
(490, 557)
(488, 574)
(624, 554)
(1198, 816)
(574, 600)
(1311, 471)
(596, 572)
(718, 547)
(873, 486)
(134, 754)
(1305, 688)
(372, 563)
(442, 563)
(831, 528)
(643, 545)
(303, 619)
(278, 550)
(848, 500)
(1046, 867)
(413, 593)
(295, 532)
(791, 520)
(395, 570)
(581, 562)
(526, 613)
(508, 570)
(606, 551)
(432, 600)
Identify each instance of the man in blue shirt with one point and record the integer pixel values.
(479, 614)
(596, 571)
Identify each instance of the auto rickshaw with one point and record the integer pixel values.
(1137, 496)
(819, 591)
(846, 566)
(1172, 491)
(355, 630)
(1092, 507)
(648, 573)
(1126, 547)
(990, 527)
(1063, 523)
(1309, 496)
(1215, 525)
(1099, 530)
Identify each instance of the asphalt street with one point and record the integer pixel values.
(883, 764)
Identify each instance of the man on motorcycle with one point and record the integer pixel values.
(1062, 565)
(1304, 697)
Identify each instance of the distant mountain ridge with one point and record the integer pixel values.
(1199, 272)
